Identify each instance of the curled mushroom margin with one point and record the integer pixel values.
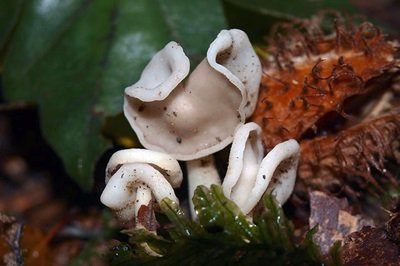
(134, 176)
(198, 118)
(249, 175)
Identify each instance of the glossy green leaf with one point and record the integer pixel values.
(74, 58)
(10, 14)
(257, 16)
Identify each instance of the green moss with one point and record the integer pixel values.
(222, 236)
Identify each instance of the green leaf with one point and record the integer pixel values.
(74, 58)
(10, 14)
(257, 16)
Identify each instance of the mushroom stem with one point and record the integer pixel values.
(201, 172)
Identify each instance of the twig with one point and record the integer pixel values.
(16, 245)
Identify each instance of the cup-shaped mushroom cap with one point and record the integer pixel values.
(192, 120)
(162, 74)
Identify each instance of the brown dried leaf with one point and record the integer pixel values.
(333, 220)
(147, 218)
(351, 152)
(22, 243)
(370, 246)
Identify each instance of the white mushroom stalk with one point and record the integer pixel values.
(201, 172)
(249, 175)
(135, 176)
(194, 119)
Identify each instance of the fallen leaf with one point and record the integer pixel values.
(333, 220)
(370, 246)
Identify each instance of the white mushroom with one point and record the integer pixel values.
(134, 176)
(201, 172)
(277, 174)
(195, 119)
(249, 176)
(245, 157)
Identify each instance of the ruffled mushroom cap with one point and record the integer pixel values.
(277, 174)
(192, 120)
(232, 55)
(244, 161)
(249, 175)
(163, 162)
(133, 176)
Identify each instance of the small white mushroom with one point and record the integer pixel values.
(195, 119)
(249, 176)
(201, 172)
(134, 176)
(277, 174)
(245, 158)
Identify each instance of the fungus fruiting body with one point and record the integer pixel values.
(315, 100)
(250, 174)
(189, 121)
(193, 119)
(135, 176)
